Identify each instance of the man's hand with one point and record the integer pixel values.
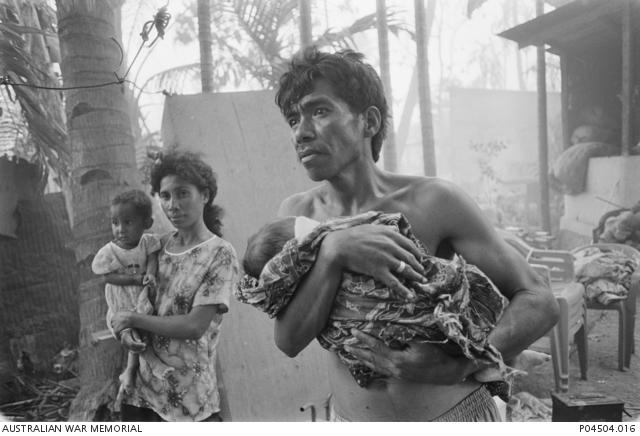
(420, 362)
(379, 252)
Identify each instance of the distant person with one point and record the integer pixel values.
(337, 112)
(197, 271)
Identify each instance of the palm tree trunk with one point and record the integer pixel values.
(423, 23)
(305, 23)
(204, 37)
(103, 164)
(389, 154)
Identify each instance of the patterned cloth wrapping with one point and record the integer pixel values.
(605, 274)
(457, 307)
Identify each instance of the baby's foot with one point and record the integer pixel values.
(529, 359)
(131, 343)
(488, 375)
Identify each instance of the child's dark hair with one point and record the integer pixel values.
(191, 168)
(138, 199)
(266, 243)
(355, 82)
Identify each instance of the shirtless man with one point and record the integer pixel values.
(335, 106)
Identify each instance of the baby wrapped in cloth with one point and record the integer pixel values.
(457, 307)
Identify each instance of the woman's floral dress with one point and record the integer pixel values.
(188, 389)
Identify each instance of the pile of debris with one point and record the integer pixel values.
(41, 399)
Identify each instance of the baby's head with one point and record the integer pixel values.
(266, 243)
(130, 217)
(270, 240)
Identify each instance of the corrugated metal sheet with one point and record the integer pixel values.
(575, 27)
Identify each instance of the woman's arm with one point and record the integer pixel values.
(189, 326)
(152, 270)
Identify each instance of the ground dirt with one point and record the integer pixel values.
(603, 375)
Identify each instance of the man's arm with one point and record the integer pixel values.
(532, 309)
(307, 312)
(371, 250)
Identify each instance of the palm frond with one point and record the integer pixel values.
(40, 108)
(343, 38)
(173, 80)
(270, 28)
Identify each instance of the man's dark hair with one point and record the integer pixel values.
(353, 80)
(266, 243)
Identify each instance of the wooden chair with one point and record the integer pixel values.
(626, 308)
(557, 268)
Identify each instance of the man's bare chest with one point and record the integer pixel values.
(425, 222)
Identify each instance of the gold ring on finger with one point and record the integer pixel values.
(401, 266)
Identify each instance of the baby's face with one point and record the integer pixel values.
(127, 225)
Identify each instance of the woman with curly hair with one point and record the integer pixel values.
(197, 271)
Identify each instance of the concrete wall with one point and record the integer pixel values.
(245, 139)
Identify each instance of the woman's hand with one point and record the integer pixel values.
(377, 251)
(130, 339)
(149, 280)
(122, 320)
(420, 362)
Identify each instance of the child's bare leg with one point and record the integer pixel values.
(522, 363)
(128, 376)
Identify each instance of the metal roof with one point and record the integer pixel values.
(575, 27)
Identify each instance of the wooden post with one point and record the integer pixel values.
(305, 23)
(565, 100)
(424, 91)
(389, 148)
(627, 77)
(543, 145)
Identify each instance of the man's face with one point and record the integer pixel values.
(327, 135)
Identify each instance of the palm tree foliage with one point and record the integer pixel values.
(46, 139)
(256, 37)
